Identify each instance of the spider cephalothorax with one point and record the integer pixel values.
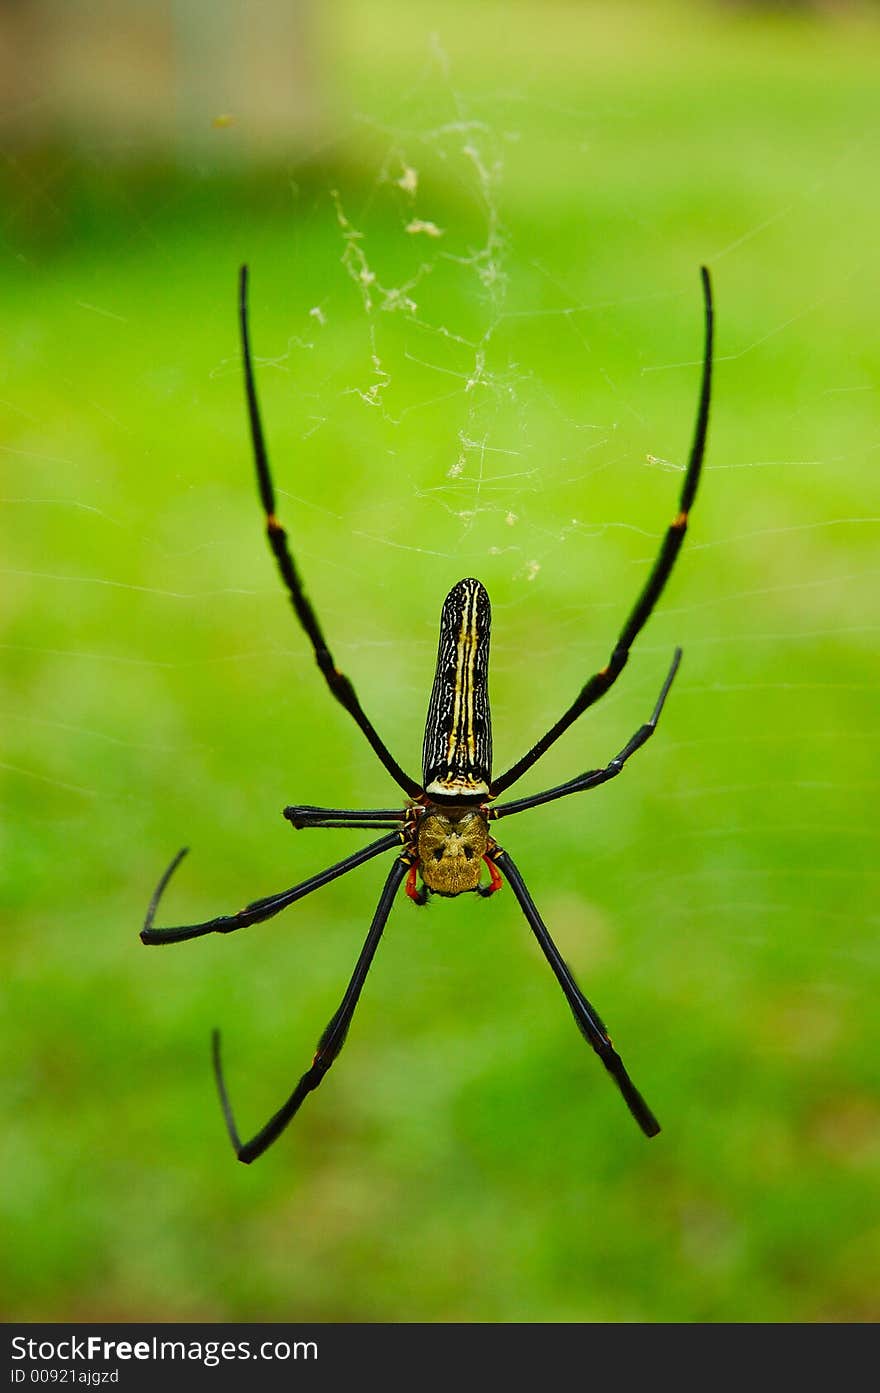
(451, 844)
(442, 834)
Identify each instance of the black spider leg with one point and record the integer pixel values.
(588, 1020)
(329, 1045)
(338, 683)
(594, 777)
(307, 816)
(259, 910)
(601, 681)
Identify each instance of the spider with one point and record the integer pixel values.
(442, 835)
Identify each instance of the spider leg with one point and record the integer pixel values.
(259, 910)
(307, 816)
(588, 1020)
(601, 681)
(338, 683)
(495, 880)
(329, 1045)
(593, 777)
(418, 896)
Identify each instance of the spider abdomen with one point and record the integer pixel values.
(451, 844)
(457, 752)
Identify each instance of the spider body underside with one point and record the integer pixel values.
(441, 835)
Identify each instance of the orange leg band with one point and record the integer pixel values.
(494, 876)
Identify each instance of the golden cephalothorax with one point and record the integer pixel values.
(451, 845)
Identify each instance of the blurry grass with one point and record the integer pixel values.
(467, 1159)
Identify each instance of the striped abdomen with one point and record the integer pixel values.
(457, 754)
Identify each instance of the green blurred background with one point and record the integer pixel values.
(474, 235)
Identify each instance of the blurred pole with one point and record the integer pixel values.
(159, 79)
(22, 95)
(248, 65)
